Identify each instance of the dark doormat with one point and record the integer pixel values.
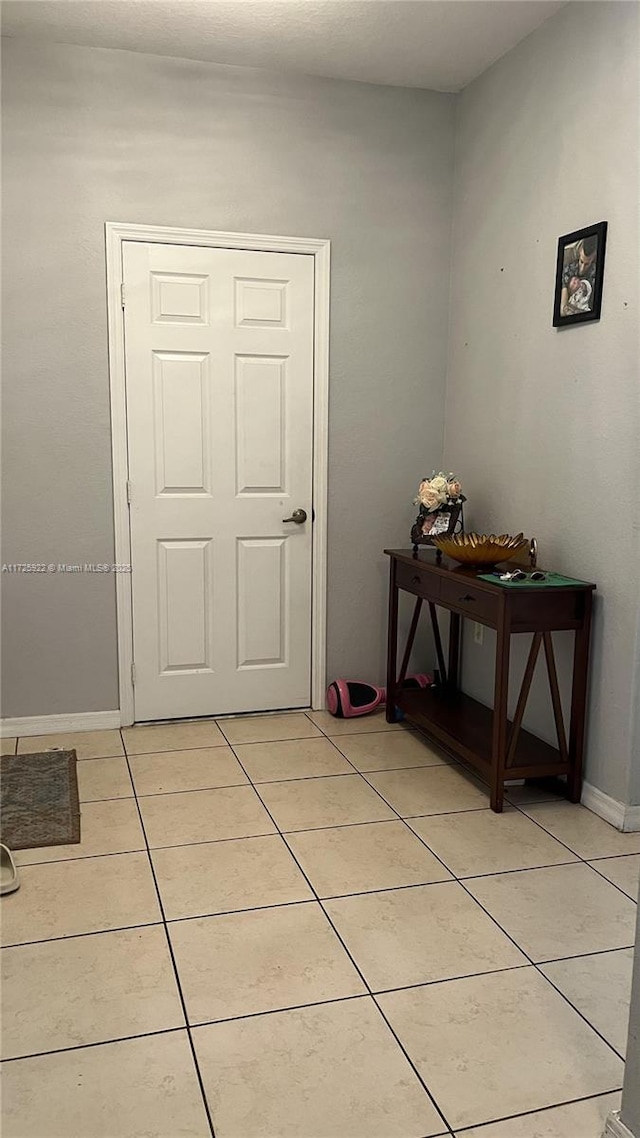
(39, 800)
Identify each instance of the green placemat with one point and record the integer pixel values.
(551, 580)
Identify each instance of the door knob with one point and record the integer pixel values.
(298, 516)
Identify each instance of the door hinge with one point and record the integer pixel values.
(122, 295)
(128, 491)
(133, 674)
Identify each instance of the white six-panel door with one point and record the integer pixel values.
(219, 386)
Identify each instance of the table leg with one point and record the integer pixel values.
(435, 628)
(500, 700)
(392, 645)
(454, 651)
(523, 697)
(409, 645)
(579, 702)
(555, 696)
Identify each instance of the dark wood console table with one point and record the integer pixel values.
(498, 749)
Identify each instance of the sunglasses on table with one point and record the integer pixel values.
(520, 575)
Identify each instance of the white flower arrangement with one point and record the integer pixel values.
(439, 491)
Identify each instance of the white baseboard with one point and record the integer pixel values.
(618, 814)
(603, 805)
(632, 819)
(614, 1127)
(53, 724)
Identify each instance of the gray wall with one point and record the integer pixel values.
(543, 425)
(93, 135)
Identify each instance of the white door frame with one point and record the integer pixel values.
(115, 234)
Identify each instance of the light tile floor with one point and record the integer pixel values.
(292, 926)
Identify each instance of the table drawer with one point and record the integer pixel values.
(470, 601)
(426, 585)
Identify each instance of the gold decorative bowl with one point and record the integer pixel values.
(479, 548)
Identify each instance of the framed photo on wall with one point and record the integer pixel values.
(579, 275)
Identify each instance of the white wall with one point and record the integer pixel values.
(92, 135)
(543, 425)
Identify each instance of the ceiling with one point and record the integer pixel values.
(437, 44)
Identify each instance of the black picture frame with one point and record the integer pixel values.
(444, 521)
(586, 301)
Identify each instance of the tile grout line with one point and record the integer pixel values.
(448, 979)
(77, 936)
(321, 829)
(281, 1011)
(174, 965)
(383, 730)
(265, 781)
(518, 869)
(375, 821)
(211, 745)
(94, 1043)
(83, 857)
(583, 955)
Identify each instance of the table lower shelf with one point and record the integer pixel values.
(464, 727)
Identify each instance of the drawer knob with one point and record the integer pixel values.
(415, 580)
(467, 597)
